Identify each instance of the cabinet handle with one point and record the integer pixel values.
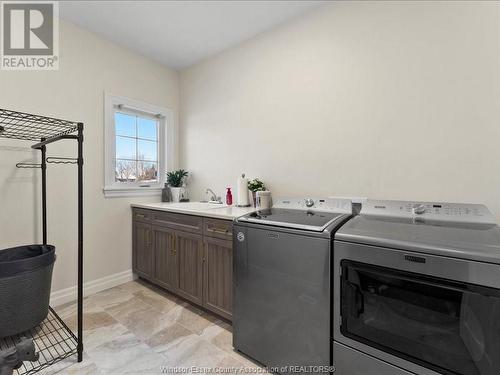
(172, 223)
(141, 216)
(218, 230)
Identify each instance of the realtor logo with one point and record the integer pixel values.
(30, 35)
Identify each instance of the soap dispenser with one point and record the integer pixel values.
(229, 197)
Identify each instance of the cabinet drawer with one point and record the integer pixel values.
(216, 228)
(185, 223)
(139, 214)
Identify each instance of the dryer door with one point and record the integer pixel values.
(448, 326)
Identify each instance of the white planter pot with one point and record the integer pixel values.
(176, 194)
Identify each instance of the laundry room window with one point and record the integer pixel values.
(136, 152)
(138, 147)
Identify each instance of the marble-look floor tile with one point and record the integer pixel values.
(101, 335)
(146, 323)
(220, 337)
(124, 310)
(91, 320)
(247, 362)
(161, 341)
(66, 309)
(109, 298)
(193, 319)
(231, 365)
(161, 301)
(136, 328)
(134, 286)
(191, 351)
(86, 369)
(71, 366)
(83, 368)
(69, 309)
(126, 355)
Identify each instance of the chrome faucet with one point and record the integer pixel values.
(214, 198)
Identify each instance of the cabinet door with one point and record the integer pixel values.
(142, 249)
(189, 248)
(218, 276)
(165, 263)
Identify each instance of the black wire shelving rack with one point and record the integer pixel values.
(53, 339)
(54, 342)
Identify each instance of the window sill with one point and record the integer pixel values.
(119, 192)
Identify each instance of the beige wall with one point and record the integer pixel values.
(390, 100)
(386, 100)
(89, 66)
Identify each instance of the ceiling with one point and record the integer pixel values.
(180, 33)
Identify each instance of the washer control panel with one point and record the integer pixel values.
(451, 212)
(315, 204)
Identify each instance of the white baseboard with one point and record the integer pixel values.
(63, 296)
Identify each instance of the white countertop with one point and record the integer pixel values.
(198, 209)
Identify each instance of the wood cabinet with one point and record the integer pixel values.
(143, 252)
(188, 255)
(165, 258)
(218, 276)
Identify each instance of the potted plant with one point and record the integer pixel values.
(254, 186)
(175, 180)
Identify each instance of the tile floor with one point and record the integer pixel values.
(136, 328)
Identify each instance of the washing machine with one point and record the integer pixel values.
(282, 283)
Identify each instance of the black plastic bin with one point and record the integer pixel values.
(25, 282)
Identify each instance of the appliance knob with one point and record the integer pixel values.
(309, 202)
(419, 209)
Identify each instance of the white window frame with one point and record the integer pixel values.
(166, 146)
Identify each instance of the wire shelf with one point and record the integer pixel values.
(28, 165)
(54, 342)
(58, 160)
(20, 125)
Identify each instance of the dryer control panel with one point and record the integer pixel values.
(338, 205)
(435, 211)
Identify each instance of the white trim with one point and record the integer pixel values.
(70, 294)
(132, 192)
(167, 146)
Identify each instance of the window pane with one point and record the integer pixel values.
(125, 124)
(147, 172)
(125, 148)
(147, 128)
(137, 146)
(147, 150)
(126, 171)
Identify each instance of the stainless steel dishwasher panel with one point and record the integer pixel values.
(281, 297)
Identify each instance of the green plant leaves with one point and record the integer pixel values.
(256, 185)
(175, 178)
